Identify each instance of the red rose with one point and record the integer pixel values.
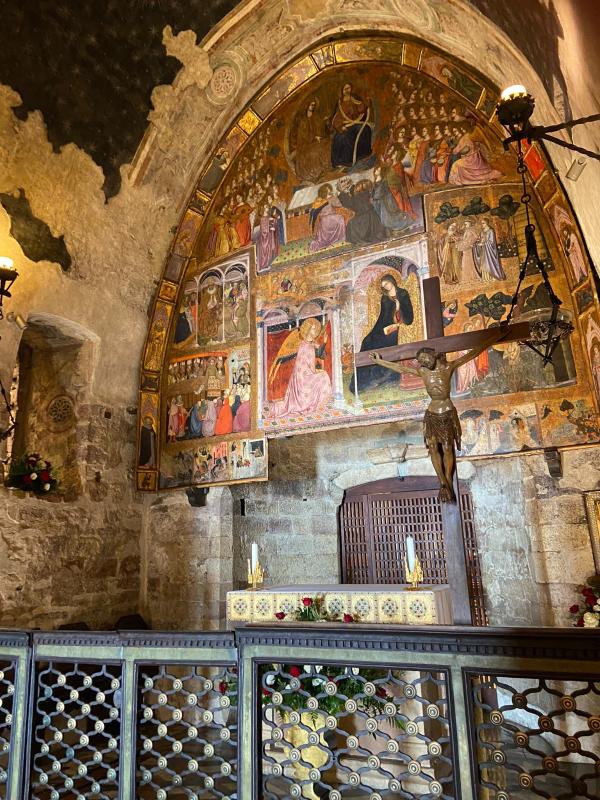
(266, 692)
(44, 476)
(223, 687)
(27, 480)
(307, 601)
(348, 618)
(579, 623)
(280, 615)
(574, 609)
(295, 671)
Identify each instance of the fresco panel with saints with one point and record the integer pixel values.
(319, 229)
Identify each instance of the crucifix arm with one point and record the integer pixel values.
(393, 365)
(493, 335)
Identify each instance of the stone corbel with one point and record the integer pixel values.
(553, 458)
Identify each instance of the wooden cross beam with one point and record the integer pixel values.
(435, 332)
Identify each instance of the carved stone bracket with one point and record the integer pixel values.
(553, 458)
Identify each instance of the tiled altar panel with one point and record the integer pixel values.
(381, 604)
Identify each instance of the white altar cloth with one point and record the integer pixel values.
(391, 604)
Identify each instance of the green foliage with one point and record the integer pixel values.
(493, 307)
(447, 211)
(350, 685)
(507, 207)
(474, 207)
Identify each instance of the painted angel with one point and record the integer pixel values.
(309, 387)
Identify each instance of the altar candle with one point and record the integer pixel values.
(410, 553)
(254, 555)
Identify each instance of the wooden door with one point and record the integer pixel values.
(375, 519)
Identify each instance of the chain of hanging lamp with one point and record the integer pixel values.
(545, 334)
(4, 434)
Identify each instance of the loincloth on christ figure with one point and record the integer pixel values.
(442, 429)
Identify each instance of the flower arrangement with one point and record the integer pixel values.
(31, 473)
(586, 613)
(295, 684)
(312, 609)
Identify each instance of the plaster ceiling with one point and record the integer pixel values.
(90, 67)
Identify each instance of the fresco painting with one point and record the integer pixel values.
(477, 235)
(374, 168)
(340, 166)
(592, 342)
(209, 394)
(309, 334)
(157, 337)
(214, 463)
(570, 242)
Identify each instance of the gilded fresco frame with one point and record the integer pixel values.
(592, 509)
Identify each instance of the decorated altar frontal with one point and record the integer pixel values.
(391, 604)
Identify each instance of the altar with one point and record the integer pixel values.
(388, 604)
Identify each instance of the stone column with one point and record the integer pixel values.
(336, 353)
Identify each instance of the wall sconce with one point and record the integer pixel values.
(8, 275)
(514, 111)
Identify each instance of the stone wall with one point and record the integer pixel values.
(188, 555)
(532, 529)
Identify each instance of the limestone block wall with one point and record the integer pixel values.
(77, 560)
(187, 561)
(532, 529)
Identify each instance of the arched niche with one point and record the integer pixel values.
(366, 153)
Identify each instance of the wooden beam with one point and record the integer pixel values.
(432, 301)
(445, 344)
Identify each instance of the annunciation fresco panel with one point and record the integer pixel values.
(363, 169)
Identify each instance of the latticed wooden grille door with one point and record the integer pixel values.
(375, 520)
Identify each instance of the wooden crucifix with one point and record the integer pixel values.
(442, 431)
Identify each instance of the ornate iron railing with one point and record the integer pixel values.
(301, 711)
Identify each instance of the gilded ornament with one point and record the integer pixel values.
(352, 742)
(414, 768)
(525, 780)
(209, 750)
(567, 703)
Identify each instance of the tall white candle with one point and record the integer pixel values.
(254, 555)
(410, 553)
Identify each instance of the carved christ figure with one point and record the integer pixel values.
(441, 426)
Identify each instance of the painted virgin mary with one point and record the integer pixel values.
(396, 309)
(352, 125)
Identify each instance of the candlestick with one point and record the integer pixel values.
(410, 553)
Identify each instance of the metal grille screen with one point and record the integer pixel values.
(374, 527)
